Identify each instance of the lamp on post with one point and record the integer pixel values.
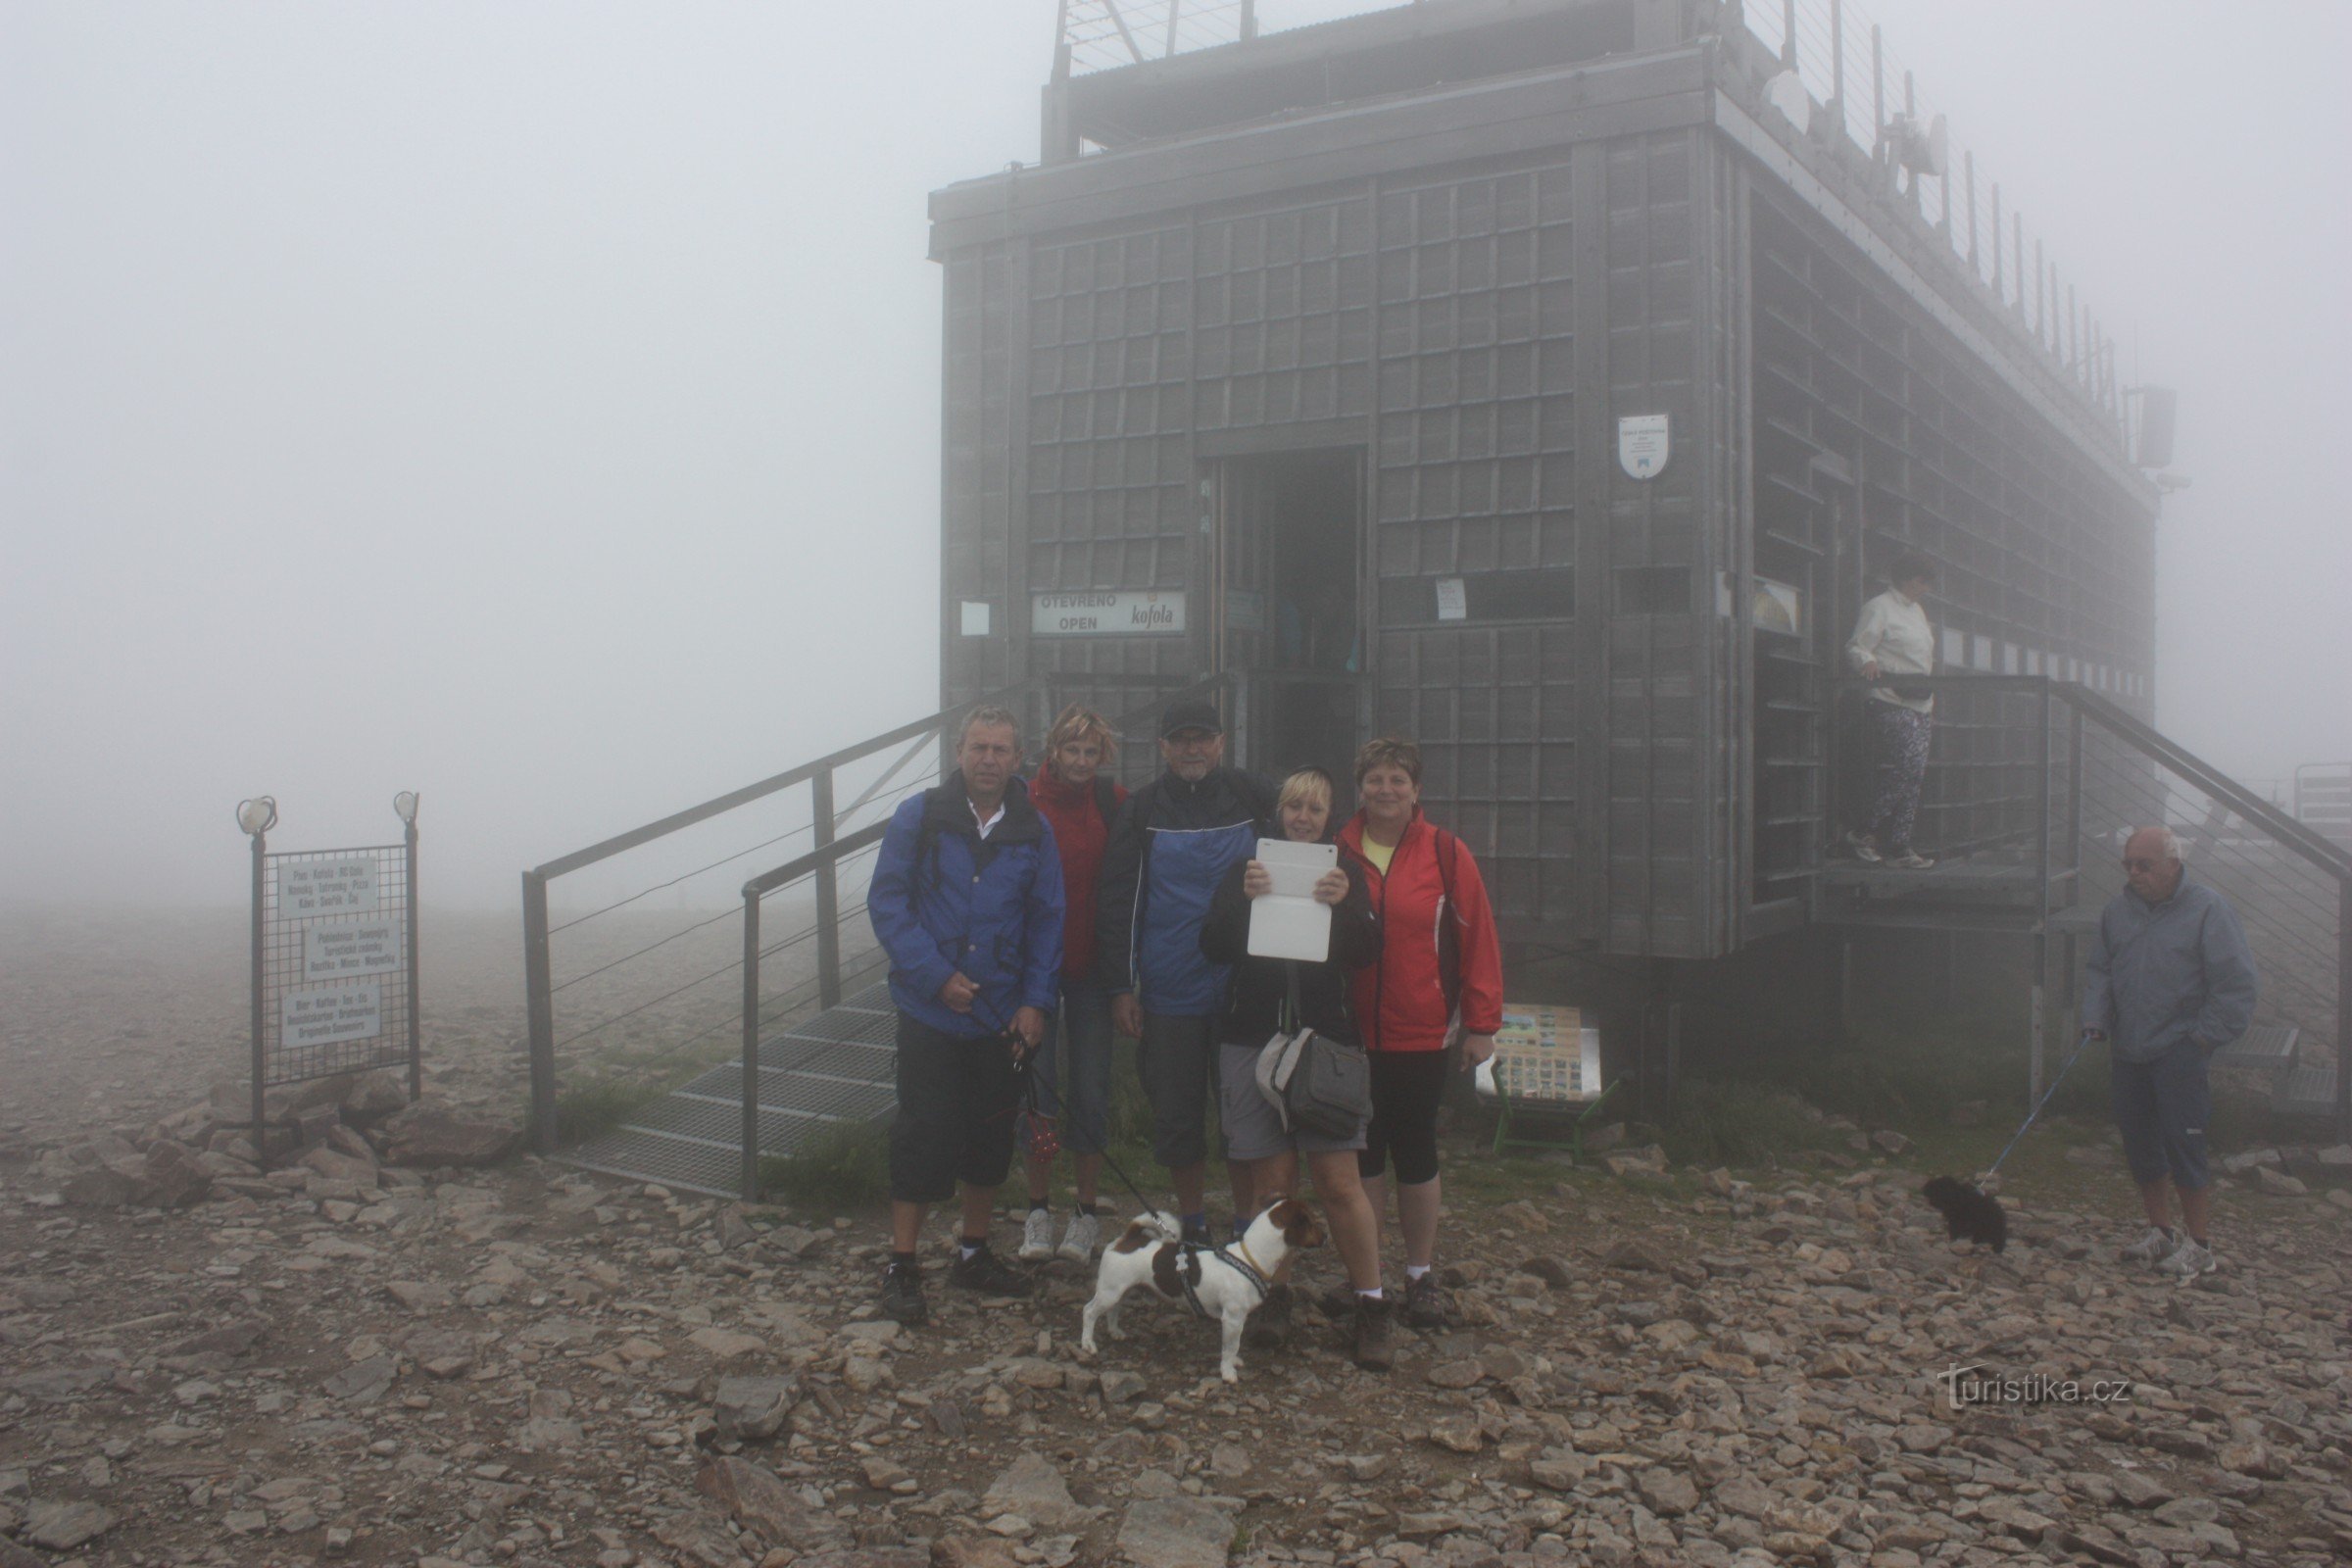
(404, 807)
(257, 817)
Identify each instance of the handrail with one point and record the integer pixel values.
(2321, 852)
(766, 786)
(2294, 835)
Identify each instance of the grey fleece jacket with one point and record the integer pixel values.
(2160, 973)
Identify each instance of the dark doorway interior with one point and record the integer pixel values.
(1290, 625)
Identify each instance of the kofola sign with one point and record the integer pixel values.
(342, 885)
(1108, 612)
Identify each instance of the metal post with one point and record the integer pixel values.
(751, 1046)
(2041, 313)
(1976, 269)
(541, 996)
(1837, 59)
(416, 990)
(2343, 1012)
(2074, 795)
(2016, 224)
(261, 1053)
(828, 895)
(2000, 289)
(2041, 925)
(1248, 18)
(1878, 92)
(1788, 34)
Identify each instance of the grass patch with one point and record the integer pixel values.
(1724, 1121)
(842, 1165)
(597, 1105)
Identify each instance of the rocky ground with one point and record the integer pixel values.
(357, 1361)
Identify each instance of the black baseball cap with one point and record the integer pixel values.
(1194, 713)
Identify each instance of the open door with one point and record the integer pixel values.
(1288, 607)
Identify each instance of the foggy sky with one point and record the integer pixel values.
(537, 405)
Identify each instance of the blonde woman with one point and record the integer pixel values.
(1253, 1132)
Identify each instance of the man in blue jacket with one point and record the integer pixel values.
(1173, 842)
(2169, 982)
(966, 898)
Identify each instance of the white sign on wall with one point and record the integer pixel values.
(1454, 598)
(1108, 612)
(308, 888)
(1643, 441)
(322, 1015)
(344, 950)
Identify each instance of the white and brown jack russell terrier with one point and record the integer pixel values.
(1223, 1283)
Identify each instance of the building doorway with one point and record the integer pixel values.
(1288, 607)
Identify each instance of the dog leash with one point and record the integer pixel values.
(2081, 1046)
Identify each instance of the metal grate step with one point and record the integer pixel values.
(2308, 1091)
(2267, 1048)
(838, 1067)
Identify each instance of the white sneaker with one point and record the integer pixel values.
(1079, 1241)
(2189, 1259)
(1036, 1237)
(2153, 1248)
(1864, 847)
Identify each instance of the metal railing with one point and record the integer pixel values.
(2052, 776)
(825, 825)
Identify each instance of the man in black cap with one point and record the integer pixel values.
(1172, 844)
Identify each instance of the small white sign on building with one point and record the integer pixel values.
(322, 1015)
(1108, 612)
(309, 889)
(1454, 598)
(344, 950)
(1644, 443)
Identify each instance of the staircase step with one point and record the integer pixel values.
(837, 1067)
(2306, 1091)
(2266, 1047)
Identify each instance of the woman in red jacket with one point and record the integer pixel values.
(1074, 791)
(1441, 966)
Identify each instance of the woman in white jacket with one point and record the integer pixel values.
(1893, 639)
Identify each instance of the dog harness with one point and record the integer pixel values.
(1189, 1276)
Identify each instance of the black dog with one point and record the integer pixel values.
(1968, 1213)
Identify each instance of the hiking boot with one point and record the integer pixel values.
(1904, 857)
(983, 1271)
(1425, 1303)
(2154, 1247)
(1372, 1335)
(1037, 1235)
(1079, 1242)
(1270, 1325)
(1201, 1235)
(1863, 847)
(902, 1294)
(2189, 1259)
(1338, 1302)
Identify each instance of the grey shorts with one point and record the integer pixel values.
(1253, 1126)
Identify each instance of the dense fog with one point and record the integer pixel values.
(537, 405)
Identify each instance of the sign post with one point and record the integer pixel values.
(335, 986)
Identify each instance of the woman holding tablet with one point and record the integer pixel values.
(1261, 996)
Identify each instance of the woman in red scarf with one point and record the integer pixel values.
(1439, 969)
(1074, 791)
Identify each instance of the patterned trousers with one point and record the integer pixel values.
(1900, 740)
